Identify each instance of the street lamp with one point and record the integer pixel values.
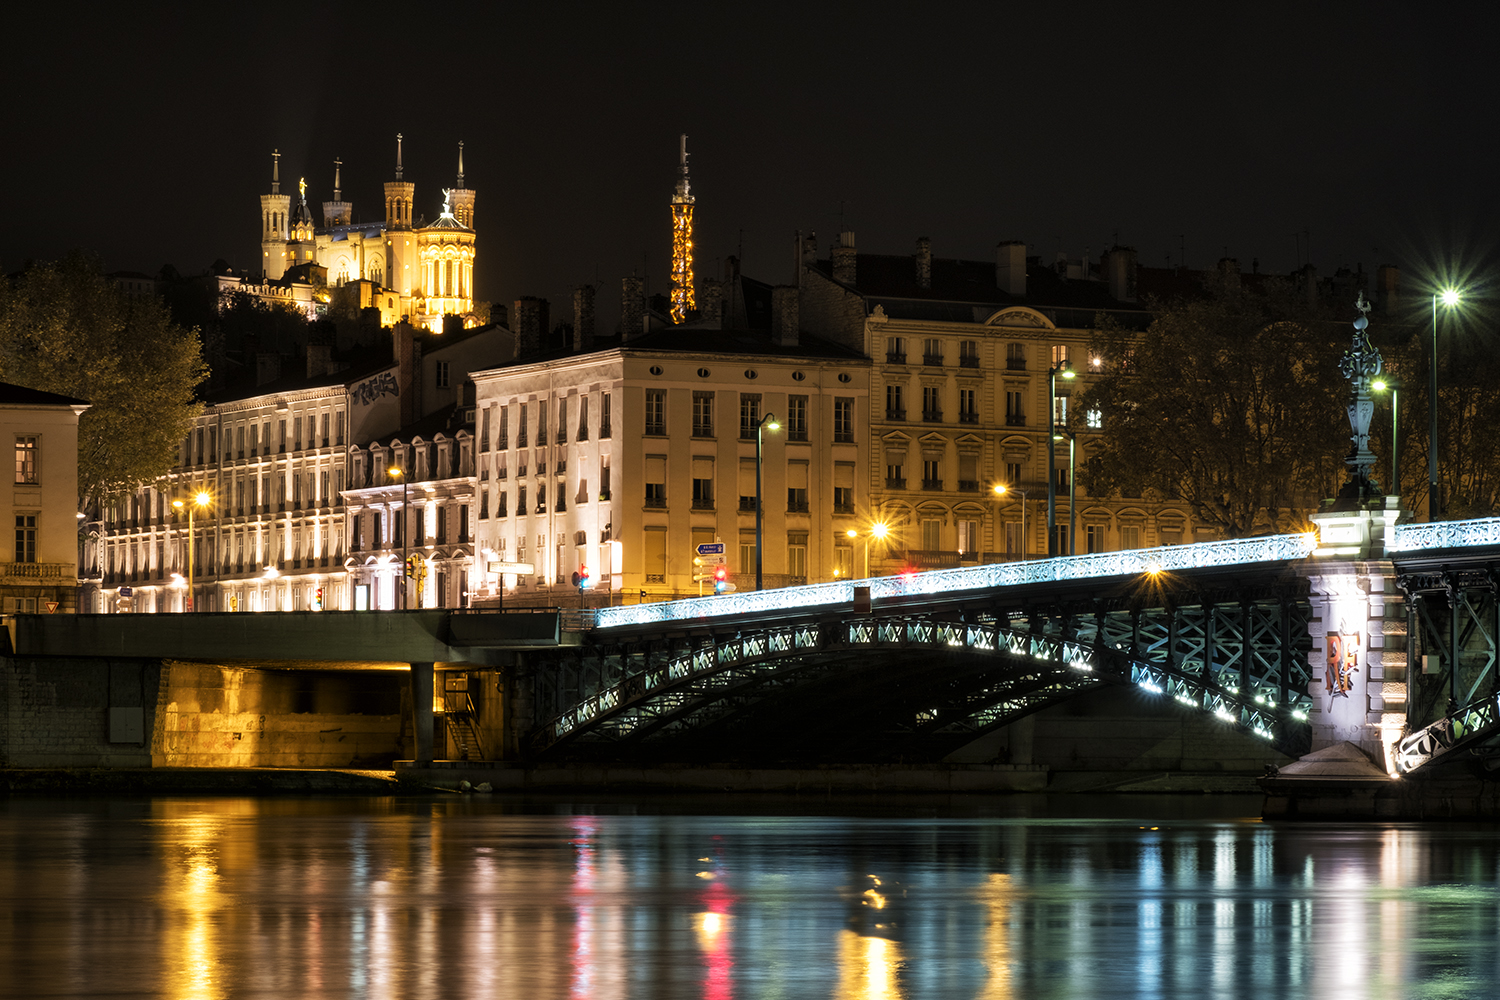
(200, 500)
(878, 530)
(396, 472)
(1000, 490)
(1066, 371)
(1449, 297)
(769, 420)
(1072, 488)
(1393, 384)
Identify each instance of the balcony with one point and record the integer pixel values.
(562, 437)
(895, 414)
(1015, 420)
(968, 418)
(747, 504)
(1015, 364)
(895, 484)
(895, 358)
(932, 416)
(502, 443)
(843, 437)
(969, 361)
(932, 360)
(604, 495)
(797, 507)
(656, 503)
(931, 559)
(701, 504)
(932, 484)
(843, 508)
(968, 486)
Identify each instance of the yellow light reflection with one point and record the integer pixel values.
(997, 894)
(192, 886)
(868, 967)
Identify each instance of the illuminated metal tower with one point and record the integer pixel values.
(683, 301)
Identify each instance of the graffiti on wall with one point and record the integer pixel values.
(372, 389)
(1343, 663)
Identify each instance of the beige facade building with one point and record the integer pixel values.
(961, 388)
(618, 463)
(40, 574)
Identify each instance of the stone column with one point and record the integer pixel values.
(421, 713)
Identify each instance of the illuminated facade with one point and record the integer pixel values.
(427, 268)
(39, 573)
(683, 300)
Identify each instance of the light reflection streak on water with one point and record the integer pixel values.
(583, 832)
(712, 926)
(868, 968)
(997, 894)
(191, 889)
(1149, 918)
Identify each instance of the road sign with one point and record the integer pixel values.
(51, 607)
(125, 591)
(711, 548)
(519, 568)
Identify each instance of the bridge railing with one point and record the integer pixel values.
(1445, 535)
(1132, 562)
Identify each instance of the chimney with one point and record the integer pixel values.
(531, 326)
(404, 346)
(500, 314)
(1388, 287)
(1010, 268)
(843, 259)
(924, 263)
(1229, 267)
(711, 303)
(810, 249)
(267, 368)
(785, 316)
(632, 308)
(318, 358)
(1119, 273)
(583, 319)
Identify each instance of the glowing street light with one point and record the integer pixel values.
(1450, 298)
(396, 472)
(769, 420)
(1393, 384)
(1000, 490)
(878, 531)
(1065, 371)
(199, 500)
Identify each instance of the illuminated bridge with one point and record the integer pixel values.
(928, 662)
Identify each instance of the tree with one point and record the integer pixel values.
(1232, 403)
(65, 328)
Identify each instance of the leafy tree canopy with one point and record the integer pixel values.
(1232, 403)
(65, 328)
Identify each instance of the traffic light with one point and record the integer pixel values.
(585, 578)
(721, 578)
(318, 599)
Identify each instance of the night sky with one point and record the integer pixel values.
(1347, 133)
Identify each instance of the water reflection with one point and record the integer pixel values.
(394, 899)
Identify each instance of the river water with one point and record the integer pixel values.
(1015, 897)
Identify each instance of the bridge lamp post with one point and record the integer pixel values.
(396, 472)
(1393, 384)
(1449, 298)
(1063, 370)
(769, 420)
(1000, 490)
(1072, 437)
(200, 501)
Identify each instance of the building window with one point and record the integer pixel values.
(932, 474)
(26, 471)
(1060, 540)
(749, 414)
(583, 419)
(796, 418)
(843, 420)
(968, 473)
(703, 414)
(1012, 473)
(895, 350)
(894, 410)
(502, 439)
(656, 494)
(932, 403)
(1094, 419)
(1015, 357)
(1060, 356)
(843, 560)
(484, 503)
(541, 498)
(968, 407)
(968, 536)
(1015, 416)
(604, 423)
(796, 559)
(968, 354)
(484, 430)
(521, 429)
(843, 499)
(656, 411)
(442, 374)
(932, 534)
(703, 494)
(1060, 411)
(1094, 533)
(932, 351)
(895, 472)
(796, 499)
(541, 423)
(1060, 478)
(25, 538)
(520, 501)
(562, 421)
(1130, 536)
(1171, 534)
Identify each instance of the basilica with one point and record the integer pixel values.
(423, 271)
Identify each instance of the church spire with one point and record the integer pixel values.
(276, 171)
(460, 164)
(337, 191)
(398, 156)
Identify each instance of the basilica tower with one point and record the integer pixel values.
(337, 212)
(462, 197)
(301, 246)
(399, 195)
(275, 210)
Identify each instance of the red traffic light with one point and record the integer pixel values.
(721, 574)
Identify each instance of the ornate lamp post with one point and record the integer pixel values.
(396, 472)
(1360, 364)
(1066, 371)
(1000, 490)
(200, 500)
(769, 420)
(1449, 297)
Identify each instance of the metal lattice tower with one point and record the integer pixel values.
(683, 301)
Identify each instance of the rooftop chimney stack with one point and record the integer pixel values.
(924, 263)
(404, 347)
(632, 308)
(1010, 268)
(711, 304)
(1119, 266)
(785, 316)
(583, 319)
(530, 326)
(843, 259)
(319, 357)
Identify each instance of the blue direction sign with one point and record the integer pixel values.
(711, 549)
